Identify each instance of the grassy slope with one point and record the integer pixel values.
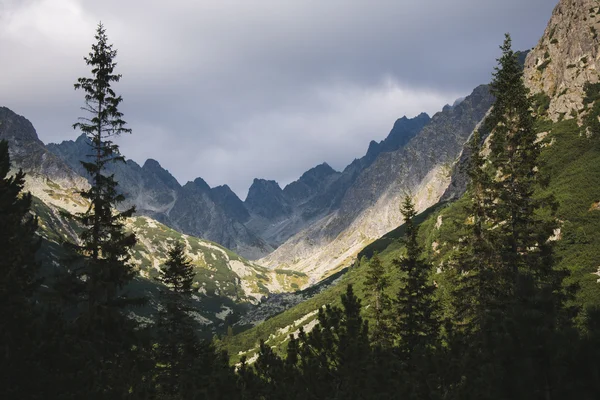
(573, 162)
(219, 286)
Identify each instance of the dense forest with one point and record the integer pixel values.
(499, 322)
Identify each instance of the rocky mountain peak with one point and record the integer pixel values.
(14, 127)
(29, 153)
(317, 173)
(566, 56)
(266, 199)
(201, 184)
(403, 130)
(152, 168)
(230, 202)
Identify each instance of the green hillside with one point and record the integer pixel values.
(572, 160)
(226, 284)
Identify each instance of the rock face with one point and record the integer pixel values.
(370, 206)
(232, 204)
(566, 56)
(28, 152)
(266, 199)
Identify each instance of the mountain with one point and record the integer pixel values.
(267, 218)
(278, 214)
(369, 206)
(194, 208)
(30, 154)
(224, 282)
(232, 204)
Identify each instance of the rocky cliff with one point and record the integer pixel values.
(566, 57)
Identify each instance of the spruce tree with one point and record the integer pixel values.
(101, 267)
(417, 323)
(19, 332)
(479, 291)
(376, 284)
(334, 358)
(18, 241)
(187, 366)
(105, 244)
(178, 272)
(176, 329)
(521, 235)
(505, 266)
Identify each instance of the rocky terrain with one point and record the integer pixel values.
(269, 215)
(370, 206)
(566, 57)
(194, 208)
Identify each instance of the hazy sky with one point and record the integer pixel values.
(230, 90)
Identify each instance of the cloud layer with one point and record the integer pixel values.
(235, 89)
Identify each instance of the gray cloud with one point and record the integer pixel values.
(233, 90)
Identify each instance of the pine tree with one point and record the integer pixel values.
(417, 323)
(108, 341)
(505, 266)
(19, 339)
(105, 244)
(376, 284)
(176, 329)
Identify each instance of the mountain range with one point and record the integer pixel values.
(285, 239)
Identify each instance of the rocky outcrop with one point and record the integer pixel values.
(566, 57)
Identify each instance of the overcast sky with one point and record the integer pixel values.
(230, 90)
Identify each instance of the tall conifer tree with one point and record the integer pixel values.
(176, 329)
(101, 269)
(105, 244)
(376, 283)
(416, 321)
(505, 266)
(18, 282)
(187, 366)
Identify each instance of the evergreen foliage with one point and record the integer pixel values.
(376, 284)
(104, 242)
(106, 340)
(19, 341)
(416, 320)
(508, 330)
(186, 366)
